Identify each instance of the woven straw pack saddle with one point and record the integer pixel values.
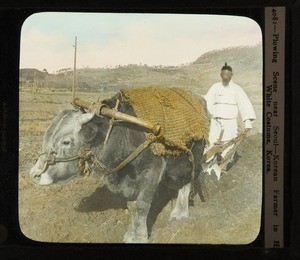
(179, 114)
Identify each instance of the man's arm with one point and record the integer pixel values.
(209, 98)
(245, 107)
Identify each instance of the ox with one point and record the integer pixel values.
(142, 180)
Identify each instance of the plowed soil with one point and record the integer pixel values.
(83, 210)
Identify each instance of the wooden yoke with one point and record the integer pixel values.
(103, 110)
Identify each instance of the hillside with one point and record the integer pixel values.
(198, 75)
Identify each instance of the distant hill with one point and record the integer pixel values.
(247, 64)
(249, 58)
(198, 75)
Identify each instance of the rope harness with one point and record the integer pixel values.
(86, 156)
(83, 157)
(51, 159)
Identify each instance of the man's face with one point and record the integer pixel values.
(226, 76)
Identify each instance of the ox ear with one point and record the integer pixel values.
(82, 119)
(85, 117)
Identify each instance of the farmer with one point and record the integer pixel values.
(225, 100)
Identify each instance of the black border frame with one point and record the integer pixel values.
(15, 244)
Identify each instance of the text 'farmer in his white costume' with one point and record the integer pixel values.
(225, 100)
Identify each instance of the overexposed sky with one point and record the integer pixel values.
(107, 39)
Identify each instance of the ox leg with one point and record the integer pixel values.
(181, 209)
(138, 231)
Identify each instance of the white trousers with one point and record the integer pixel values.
(230, 131)
(217, 124)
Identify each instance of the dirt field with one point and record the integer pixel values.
(82, 210)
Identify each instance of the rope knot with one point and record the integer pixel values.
(87, 161)
(85, 156)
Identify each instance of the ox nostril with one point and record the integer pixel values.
(37, 175)
(34, 173)
(41, 178)
(37, 179)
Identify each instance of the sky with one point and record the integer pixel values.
(111, 39)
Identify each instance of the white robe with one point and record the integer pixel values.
(224, 103)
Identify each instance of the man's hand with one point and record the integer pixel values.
(248, 124)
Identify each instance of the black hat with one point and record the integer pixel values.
(226, 67)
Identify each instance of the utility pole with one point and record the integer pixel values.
(34, 83)
(74, 71)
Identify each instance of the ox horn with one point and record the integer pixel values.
(103, 110)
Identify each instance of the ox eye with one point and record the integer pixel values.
(67, 141)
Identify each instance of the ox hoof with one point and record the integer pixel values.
(177, 215)
(130, 238)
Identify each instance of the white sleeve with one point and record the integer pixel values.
(209, 98)
(244, 104)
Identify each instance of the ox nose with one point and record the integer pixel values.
(40, 178)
